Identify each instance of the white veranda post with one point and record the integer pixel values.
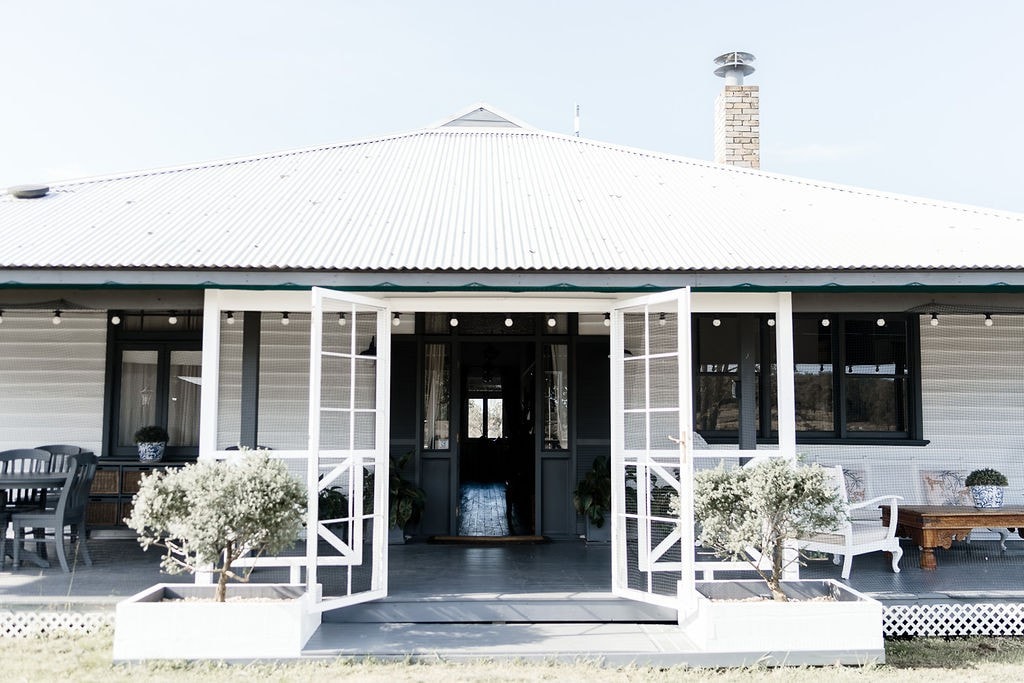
(652, 471)
(350, 347)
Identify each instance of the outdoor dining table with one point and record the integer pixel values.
(15, 481)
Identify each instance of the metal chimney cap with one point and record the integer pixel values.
(737, 62)
(28, 191)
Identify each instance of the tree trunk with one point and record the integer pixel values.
(222, 581)
(774, 581)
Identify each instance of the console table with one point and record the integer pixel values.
(936, 526)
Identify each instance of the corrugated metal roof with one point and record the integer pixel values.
(484, 198)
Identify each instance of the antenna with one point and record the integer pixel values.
(576, 122)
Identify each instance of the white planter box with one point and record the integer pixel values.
(147, 627)
(849, 627)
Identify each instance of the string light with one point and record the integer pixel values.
(508, 321)
(284, 318)
(934, 322)
(988, 320)
(56, 317)
(396, 320)
(825, 322)
(453, 321)
(1, 317)
(231, 318)
(661, 320)
(341, 319)
(716, 322)
(551, 321)
(771, 322)
(880, 322)
(607, 319)
(172, 319)
(115, 320)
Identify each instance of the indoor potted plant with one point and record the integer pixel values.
(593, 499)
(751, 513)
(206, 516)
(986, 487)
(406, 500)
(151, 441)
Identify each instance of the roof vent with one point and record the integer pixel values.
(733, 66)
(28, 191)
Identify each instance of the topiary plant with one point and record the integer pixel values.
(152, 434)
(761, 507)
(213, 512)
(986, 477)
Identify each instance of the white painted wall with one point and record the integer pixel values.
(51, 379)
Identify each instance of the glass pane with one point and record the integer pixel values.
(876, 404)
(436, 398)
(138, 393)
(718, 356)
(876, 350)
(813, 376)
(495, 417)
(556, 396)
(717, 405)
(475, 421)
(183, 401)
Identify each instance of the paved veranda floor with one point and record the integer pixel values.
(975, 571)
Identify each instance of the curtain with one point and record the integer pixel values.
(556, 379)
(436, 398)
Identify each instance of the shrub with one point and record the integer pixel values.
(761, 507)
(213, 512)
(986, 477)
(151, 434)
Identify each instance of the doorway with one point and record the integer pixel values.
(496, 471)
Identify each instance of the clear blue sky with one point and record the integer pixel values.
(913, 97)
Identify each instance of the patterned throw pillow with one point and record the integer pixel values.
(945, 487)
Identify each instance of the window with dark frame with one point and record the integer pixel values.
(855, 378)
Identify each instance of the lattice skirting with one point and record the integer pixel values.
(32, 624)
(955, 619)
(931, 619)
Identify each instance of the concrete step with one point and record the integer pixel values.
(505, 608)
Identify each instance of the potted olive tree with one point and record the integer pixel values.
(986, 487)
(151, 441)
(752, 513)
(206, 516)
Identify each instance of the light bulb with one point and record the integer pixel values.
(771, 322)
(341, 319)
(453, 321)
(661, 320)
(934, 322)
(172, 319)
(716, 322)
(56, 318)
(508, 321)
(551, 321)
(230, 319)
(988, 320)
(880, 322)
(607, 319)
(115, 320)
(284, 319)
(1, 317)
(825, 322)
(396, 320)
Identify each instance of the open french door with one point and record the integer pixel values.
(350, 346)
(651, 437)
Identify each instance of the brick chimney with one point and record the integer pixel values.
(737, 116)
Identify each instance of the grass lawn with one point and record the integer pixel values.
(87, 658)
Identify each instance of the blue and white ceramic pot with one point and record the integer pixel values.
(151, 452)
(987, 497)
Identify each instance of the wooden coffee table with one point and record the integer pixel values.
(936, 526)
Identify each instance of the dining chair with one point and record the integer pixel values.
(67, 513)
(59, 453)
(19, 500)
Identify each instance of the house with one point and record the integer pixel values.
(507, 304)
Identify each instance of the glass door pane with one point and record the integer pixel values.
(138, 405)
(183, 399)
